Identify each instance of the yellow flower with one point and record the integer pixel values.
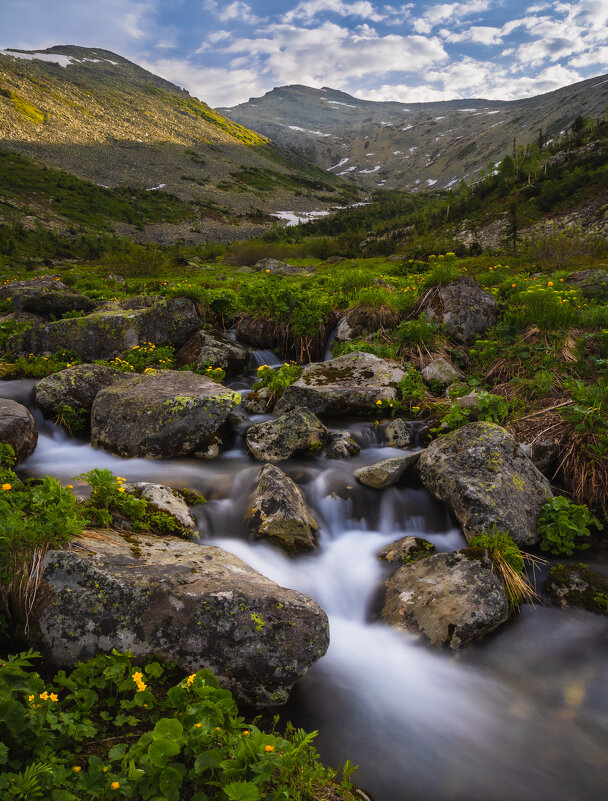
(54, 697)
(549, 283)
(415, 408)
(76, 768)
(379, 403)
(31, 697)
(246, 733)
(44, 696)
(217, 728)
(269, 748)
(267, 271)
(69, 486)
(121, 489)
(7, 486)
(115, 785)
(190, 680)
(198, 725)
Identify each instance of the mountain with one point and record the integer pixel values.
(100, 117)
(412, 146)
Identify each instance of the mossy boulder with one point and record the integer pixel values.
(76, 387)
(449, 599)
(46, 297)
(279, 512)
(212, 350)
(160, 415)
(164, 499)
(106, 334)
(17, 428)
(351, 384)
(579, 586)
(463, 306)
(192, 604)
(484, 477)
(592, 283)
(341, 446)
(441, 371)
(399, 433)
(406, 550)
(296, 431)
(386, 472)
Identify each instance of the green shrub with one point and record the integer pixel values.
(444, 270)
(277, 380)
(420, 331)
(411, 386)
(144, 357)
(509, 560)
(561, 523)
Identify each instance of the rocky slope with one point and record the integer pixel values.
(412, 146)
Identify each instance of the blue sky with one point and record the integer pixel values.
(226, 52)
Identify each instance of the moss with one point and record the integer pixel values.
(258, 620)
(578, 586)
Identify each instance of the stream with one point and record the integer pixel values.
(522, 715)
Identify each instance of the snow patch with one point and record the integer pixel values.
(374, 169)
(407, 128)
(397, 152)
(55, 58)
(339, 164)
(431, 181)
(337, 103)
(347, 170)
(440, 118)
(154, 188)
(305, 130)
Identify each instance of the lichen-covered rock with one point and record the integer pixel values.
(406, 550)
(277, 267)
(45, 296)
(212, 350)
(350, 384)
(450, 599)
(279, 512)
(106, 334)
(387, 471)
(160, 415)
(17, 428)
(399, 433)
(442, 371)
(165, 500)
(578, 585)
(364, 319)
(296, 431)
(485, 478)
(592, 283)
(258, 401)
(192, 604)
(341, 446)
(463, 306)
(76, 387)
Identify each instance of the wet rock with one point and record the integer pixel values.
(442, 371)
(450, 599)
(406, 550)
(165, 500)
(349, 384)
(341, 446)
(192, 604)
(386, 472)
(463, 306)
(481, 473)
(579, 586)
(160, 415)
(399, 433)
(543, 453)
(45, 296)
(17, 428)
(76, 387)
(364, 319)
(592, 283)
(258, 401)
(212, 350)
(106, 334)
(277, 267)
(279, 512)
(296, 431)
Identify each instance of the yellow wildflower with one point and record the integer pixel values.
(76, 768)
(269, 748)
(7, 486)
(54, 697)
(115, 785)
(44, 696)
(198, 725)
(190, 680)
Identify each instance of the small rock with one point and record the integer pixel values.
(398, 433)
(579, 586)
(341, 446)
(387, 472)
(279, 512)
(165, 500)
(296, 431)
(258, 401)
(464, 307)
(406, 550)
(211, 350)
(592, 283)
(277, 267)
(442, 371)
(17, 428)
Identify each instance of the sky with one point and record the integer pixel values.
(226, 52)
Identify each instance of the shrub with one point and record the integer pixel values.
(277, 380)
(560, 524)
(509, 561)
(420, 331)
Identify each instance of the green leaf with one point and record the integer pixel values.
(168, 728)
(161, 751)
(170, 781)
(154, 669)
(117, 752)
(206, 760)
(242, 791)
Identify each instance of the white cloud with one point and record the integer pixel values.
(449, 12)
(307, 10)
(237, 11)
(481, 34)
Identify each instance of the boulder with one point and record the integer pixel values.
(386, 472)
(364, 319)
(341, 446)
(349, 384)
(17, 428)
(212, 350)
(592, 283)
(450, 599)
(296, 431)
(160, 415)
(165, 500)
(579, 586)
(481, 473)
(399, 433)
(76, 387)
(277, 267)
(106, 334)
(279, 512)
(441, 371)
(258, 401)
(406, 550)
(192, 604)
(45, 296)
(470, 402)
(463, 306)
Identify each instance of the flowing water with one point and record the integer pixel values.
(522, 715)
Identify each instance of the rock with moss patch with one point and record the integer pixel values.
(399, 433)
(386, 472)
(592, 283)
(17, 428)
(441, 371)
(212, 350)
(75, 387)
(463, 306)
(406, 550)
(278, 267)
(106, 334)
(164, 499)
(192, 604)
(296, 431)
(579, 586)
(279, 512)
(259, 401)
(449, 599)
(351, 384)
(341, 446)
(484, 477)
(160, 415)
(365, 319)
(45, 296)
